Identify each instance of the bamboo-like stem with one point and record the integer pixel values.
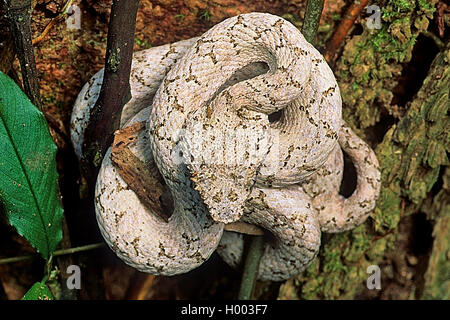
(55, 254)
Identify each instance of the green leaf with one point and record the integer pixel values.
(39, 291)
(28, 176)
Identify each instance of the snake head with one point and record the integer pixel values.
(223, 152)
(223, 195)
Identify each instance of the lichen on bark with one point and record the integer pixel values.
(413, 156)
(437, 276)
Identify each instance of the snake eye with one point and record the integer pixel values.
(275, 116)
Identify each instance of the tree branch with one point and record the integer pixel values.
(251, 266)
(312, 18)
(19, 16)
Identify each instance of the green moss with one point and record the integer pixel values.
(49, 99)
(437, 276)
(179, 17)
(143, 44)
(97, 158)
(382, 54)
(426, 6)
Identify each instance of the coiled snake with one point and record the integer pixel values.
(244, 124)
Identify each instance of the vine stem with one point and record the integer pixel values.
(256, 243)
(312, 18)
(57, 253)
(115, 91)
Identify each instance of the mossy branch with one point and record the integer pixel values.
(115, 90)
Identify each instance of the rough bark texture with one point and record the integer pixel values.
(310, 25)
(437, 276)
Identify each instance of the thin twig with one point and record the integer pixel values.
(140, 285)
(255, 251)
(60, 17)
(439, 43)
(442, 8)
(341, 31)
(46, 30)
(19, 16)
(312, 18)
(55, 254)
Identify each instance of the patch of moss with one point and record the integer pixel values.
(205, 15)
(370, 61)
(143, 44)
(114, 60)
(437, 276)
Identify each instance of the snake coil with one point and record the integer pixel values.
(244, 124)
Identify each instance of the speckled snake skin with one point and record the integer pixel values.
(244, 123)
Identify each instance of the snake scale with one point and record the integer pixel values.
(244, 124)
